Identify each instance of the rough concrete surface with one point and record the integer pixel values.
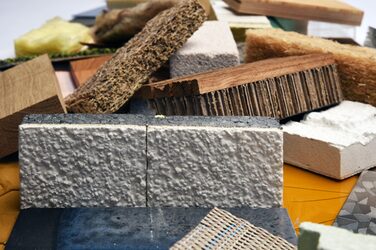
(82, 165)
(211, 47)
(207, 166)
(132, 160)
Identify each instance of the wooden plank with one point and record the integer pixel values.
(31, 87)
(233, 76)
(82, 70)
(320, 10)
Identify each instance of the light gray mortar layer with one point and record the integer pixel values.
(206, 167)
(211, 47)
(82, 165)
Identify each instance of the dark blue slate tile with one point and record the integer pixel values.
(128, 228)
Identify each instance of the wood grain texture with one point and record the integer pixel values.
(320, 10)
(278, 88)
(233, 76)
(82, 70)
(31, 87)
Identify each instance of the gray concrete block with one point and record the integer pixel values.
(208, 166)
(132, 160)
(82, 165)
(211, 47)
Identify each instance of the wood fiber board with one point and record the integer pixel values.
(134, 63)
(320, 10)
(31, 87)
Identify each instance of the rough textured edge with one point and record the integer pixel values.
(234, 121)
(100, 95)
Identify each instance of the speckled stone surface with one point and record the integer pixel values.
(133, 160)
(78, 165)
(208, 166)
(211, 47)
(127, 228)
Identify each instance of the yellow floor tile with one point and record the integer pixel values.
(9, 209)
(9, 177)
(312, 197)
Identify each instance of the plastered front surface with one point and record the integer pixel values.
(206, 167)
(82, 165)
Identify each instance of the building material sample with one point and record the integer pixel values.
(319, 237)
(239, 23)
(334, 11)
(31, 87)
(117, 161)
(338, 143)
(82, 70)
(358, 214)
(132, 65)
(356, 65)
(211, 47)
(206, 162)
(222, 230)
(127, 228)
(277, 88)
(79, 162)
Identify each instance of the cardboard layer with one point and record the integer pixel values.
(29, 88)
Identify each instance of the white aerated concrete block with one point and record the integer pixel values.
(82, 165)
(319, 237)
(338, 143)
(211, 47)
(209, 166)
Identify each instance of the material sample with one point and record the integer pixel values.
(211, 47)
(339, 142)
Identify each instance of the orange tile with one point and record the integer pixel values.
(9, 177)
(9, 209)
(312, 197)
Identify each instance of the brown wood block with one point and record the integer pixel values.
(82, 70)
(320, 10)
(233, 76)
(9, 177)
(31, 87)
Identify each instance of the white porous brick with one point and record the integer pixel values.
(211, 47)
(214, 166)
(80, 165)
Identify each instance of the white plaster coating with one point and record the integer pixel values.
(341, 126)
(206, 167)
(67, 165)
(338, 143)
(332, 238)
(211, 47)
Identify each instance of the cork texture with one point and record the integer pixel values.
(132, 65)
(356, 65)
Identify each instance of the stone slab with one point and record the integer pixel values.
(127, 228)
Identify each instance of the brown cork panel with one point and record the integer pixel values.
(133, 64)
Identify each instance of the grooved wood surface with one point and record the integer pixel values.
(82, 70)
(278, 88)
(31, 87)
(320, 10)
